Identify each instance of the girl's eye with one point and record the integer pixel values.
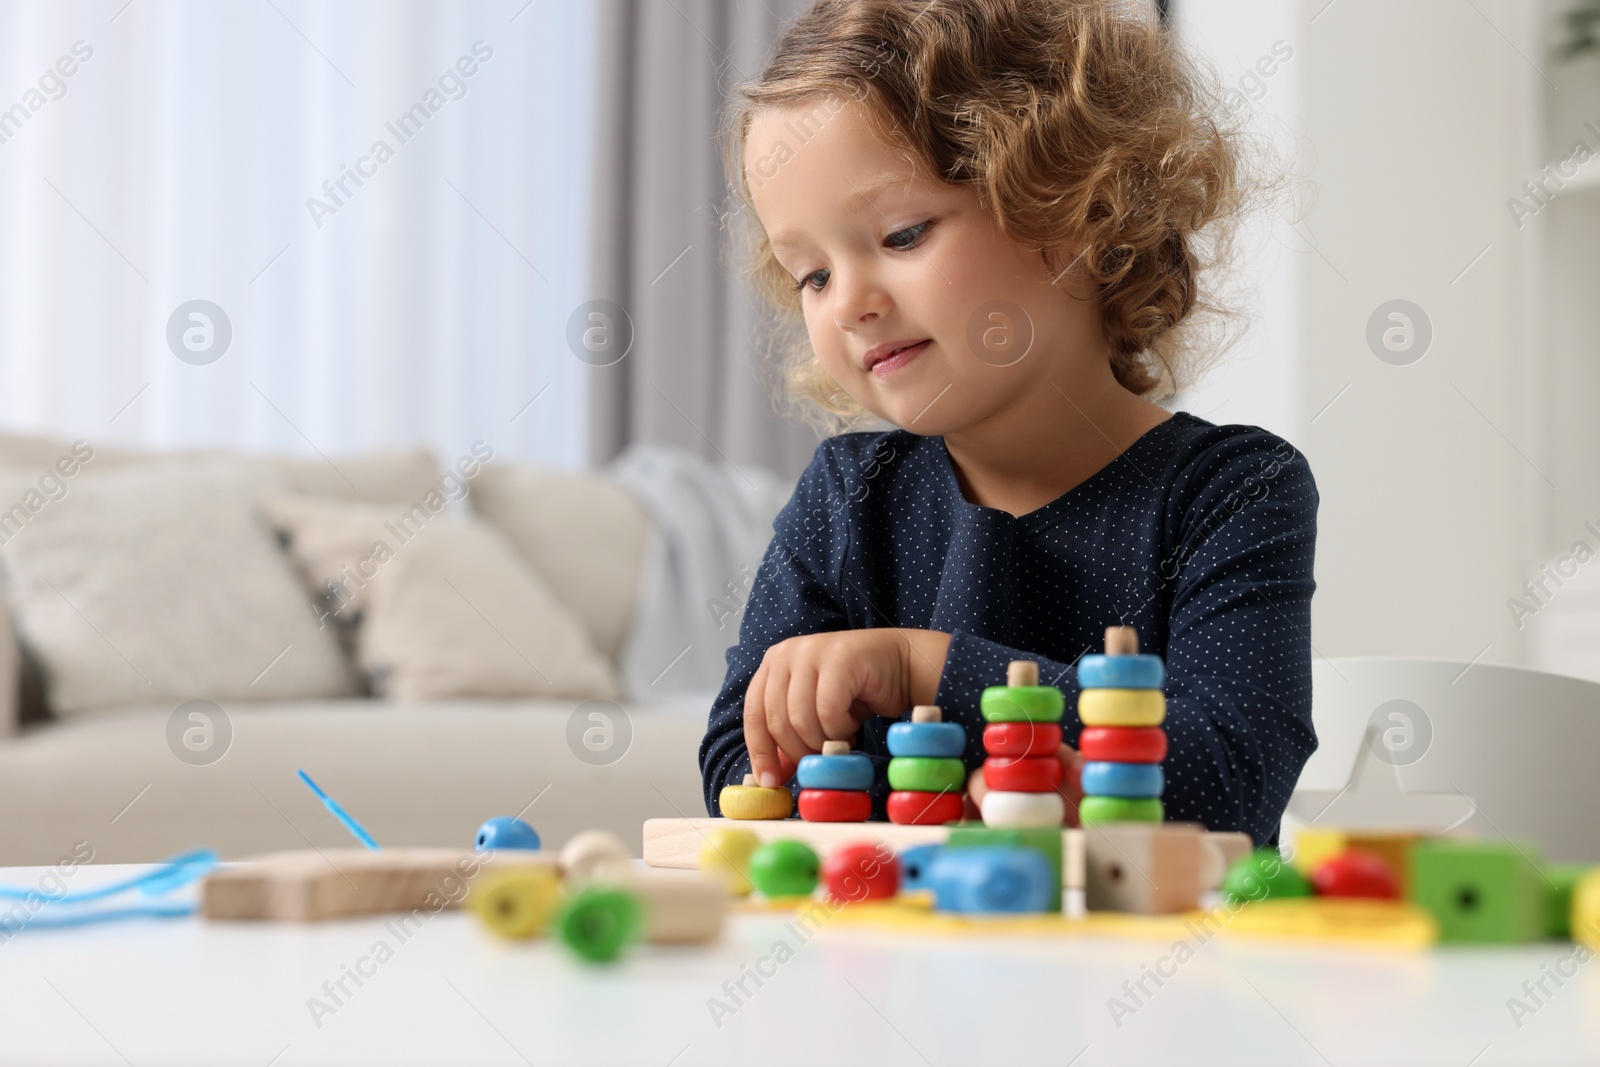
(899, 241)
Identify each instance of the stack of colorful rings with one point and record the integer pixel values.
(1122, 707)
(1022, 771)
(835, 786)
(925, 771)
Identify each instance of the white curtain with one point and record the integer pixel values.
(176, 162)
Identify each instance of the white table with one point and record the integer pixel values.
(182, 991)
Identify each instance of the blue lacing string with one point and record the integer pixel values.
(174, 874)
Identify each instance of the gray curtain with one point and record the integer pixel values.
(695, 376)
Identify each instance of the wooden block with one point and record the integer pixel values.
(1152, 869)
(1221, 849)
(1480, 891)
(1048, 843)
(311, 885)
(927, 713)
(835, 748)
(680, 907)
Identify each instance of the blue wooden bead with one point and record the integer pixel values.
(915, 865)
(1121, 672)
(851, 772)
(940, 740)
(991, 879)
(1122, 779)
(503, 831)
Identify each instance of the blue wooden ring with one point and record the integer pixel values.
(852, 772)
(939, 740)
(1123, 779)
(1121, 672)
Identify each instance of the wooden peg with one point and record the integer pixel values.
(1022, 672)
(835, 748)
(1122, 641)
(927, 713)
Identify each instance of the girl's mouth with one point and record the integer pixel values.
(887, 366)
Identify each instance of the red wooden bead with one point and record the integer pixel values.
(835, 805)
(1013, 740)
(861, 872)
(1123, 744)
(1033, 774)
(1355, 873)
(924, 809)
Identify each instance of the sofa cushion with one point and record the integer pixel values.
(584, 534)
(446, 607)
(403, 474)
(159, 583)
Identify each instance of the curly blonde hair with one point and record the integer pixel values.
(1080, 123)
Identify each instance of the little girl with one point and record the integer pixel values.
(991, 216)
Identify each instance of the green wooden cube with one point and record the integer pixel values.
(1480, 891)
(1559, 880)
(1047, 842)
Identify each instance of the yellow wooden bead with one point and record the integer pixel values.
(518, 902)
(726, 855)
(1586, 910)
(751, 801)
(1122, 707)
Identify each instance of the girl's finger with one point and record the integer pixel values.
(835, 705)
(803, 708)
(758, 742)
(778, 724)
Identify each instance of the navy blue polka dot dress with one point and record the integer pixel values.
(1199, 536)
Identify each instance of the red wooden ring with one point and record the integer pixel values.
(924, 809)
(1014, 740)
(1123, 744)
(1031, 774)
(835, 805)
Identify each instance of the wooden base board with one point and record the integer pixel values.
(313, 884)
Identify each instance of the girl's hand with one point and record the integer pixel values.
(1070, 788)
(822, 687)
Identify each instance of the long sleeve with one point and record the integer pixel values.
(794, 592)
(1239, 645)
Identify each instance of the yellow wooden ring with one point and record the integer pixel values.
(1122, 707)
(754, 802)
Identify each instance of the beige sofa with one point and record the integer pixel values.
(422, 771)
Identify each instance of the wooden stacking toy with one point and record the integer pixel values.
(925, 769)
(1022, 770)
(835, 786)
(1121, 706)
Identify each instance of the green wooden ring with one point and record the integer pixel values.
(927, 774)
(600, 921)
(1023, 703)
(1095, 810)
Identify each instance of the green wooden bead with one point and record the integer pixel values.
(927, 774)
(600, 921)
(1023, 703)
(786, 868)
(1263, 875)
(1480, 891)
(1095, 810)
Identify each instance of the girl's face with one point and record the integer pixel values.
(885, 256)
